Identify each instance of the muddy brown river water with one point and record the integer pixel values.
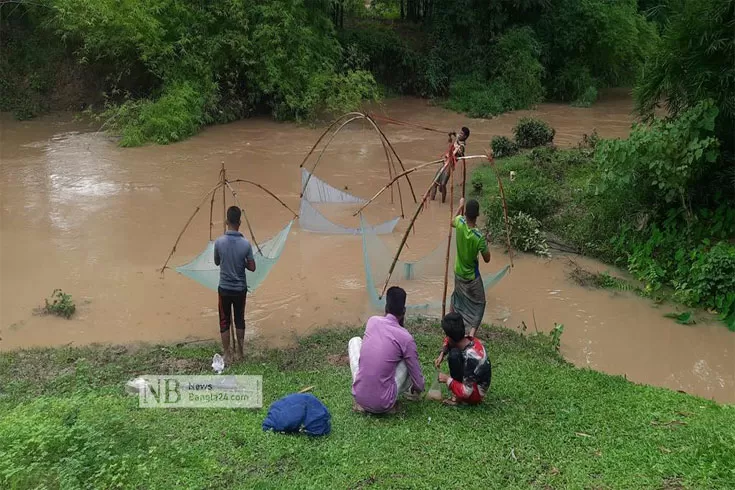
(82, 214)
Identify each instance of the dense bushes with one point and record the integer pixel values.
(396, 65)
(530, 133)
(693, 62)
(514, 80)
(208, 62)
(652, 203)
(503, 147)
(592, 43)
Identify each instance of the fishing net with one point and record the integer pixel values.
(417, 277)
(319, 192)
(203, 270)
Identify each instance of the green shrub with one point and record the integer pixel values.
(213, 63)
(526, 236)
(693, 62)
(571, 82)
(711, 281)
(591, 40)
(661, 163)
(536, 198)
(393, 62)
(61, 304)
(530, 133)
(503, 147)
(588, 97)
(514, 82)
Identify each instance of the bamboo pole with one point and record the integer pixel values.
(490, 159)
(383, 140)
(211, 212)
(188, 222)
(223, 177)
(321, 154)
(419, 207)
(334, 123)
(245, 215)
(449, 238)
(464, 177)
(263, 188)
(380, 131)
(400, 193)
(410, 171)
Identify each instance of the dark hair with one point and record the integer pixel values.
(453, 326)
(395, 301)
(472, 209)
(233, 215)
(466, 131)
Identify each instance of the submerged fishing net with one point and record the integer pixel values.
(424, 274)
(318, 191)
(203, 270)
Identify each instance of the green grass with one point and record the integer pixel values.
(66, 423)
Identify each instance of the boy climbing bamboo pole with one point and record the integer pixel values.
(456, 150)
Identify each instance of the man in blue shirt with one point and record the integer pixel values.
(233, 254)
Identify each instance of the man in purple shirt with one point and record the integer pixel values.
(385, 362)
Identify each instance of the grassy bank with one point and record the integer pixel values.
(545, 424)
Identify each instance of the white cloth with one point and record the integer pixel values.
(403, 382)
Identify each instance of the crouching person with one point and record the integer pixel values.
(469, 367)
(385, 362)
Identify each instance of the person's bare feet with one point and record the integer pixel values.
(357, 408)
(452, 402)
(228, 357)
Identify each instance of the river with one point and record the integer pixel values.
(81, 214)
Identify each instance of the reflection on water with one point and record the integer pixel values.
(96, 220)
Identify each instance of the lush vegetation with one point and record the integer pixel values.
(171, 67)
(67, 423)
(159, 70)
(656, 203)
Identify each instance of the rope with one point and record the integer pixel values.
(397, 122)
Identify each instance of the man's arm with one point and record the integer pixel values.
(485, 252)
(250, 260)
(411, 357)
(460, 212)
(459, 388)
(216, 255)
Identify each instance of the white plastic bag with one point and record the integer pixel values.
(218, 364)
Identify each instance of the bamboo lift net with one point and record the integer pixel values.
(202, 268)
(315, 191)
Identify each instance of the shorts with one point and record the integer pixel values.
(230, 301)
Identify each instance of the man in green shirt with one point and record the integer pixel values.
(468, 298)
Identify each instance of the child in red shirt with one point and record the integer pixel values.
(470, 371)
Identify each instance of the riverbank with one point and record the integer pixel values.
(545, 424)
